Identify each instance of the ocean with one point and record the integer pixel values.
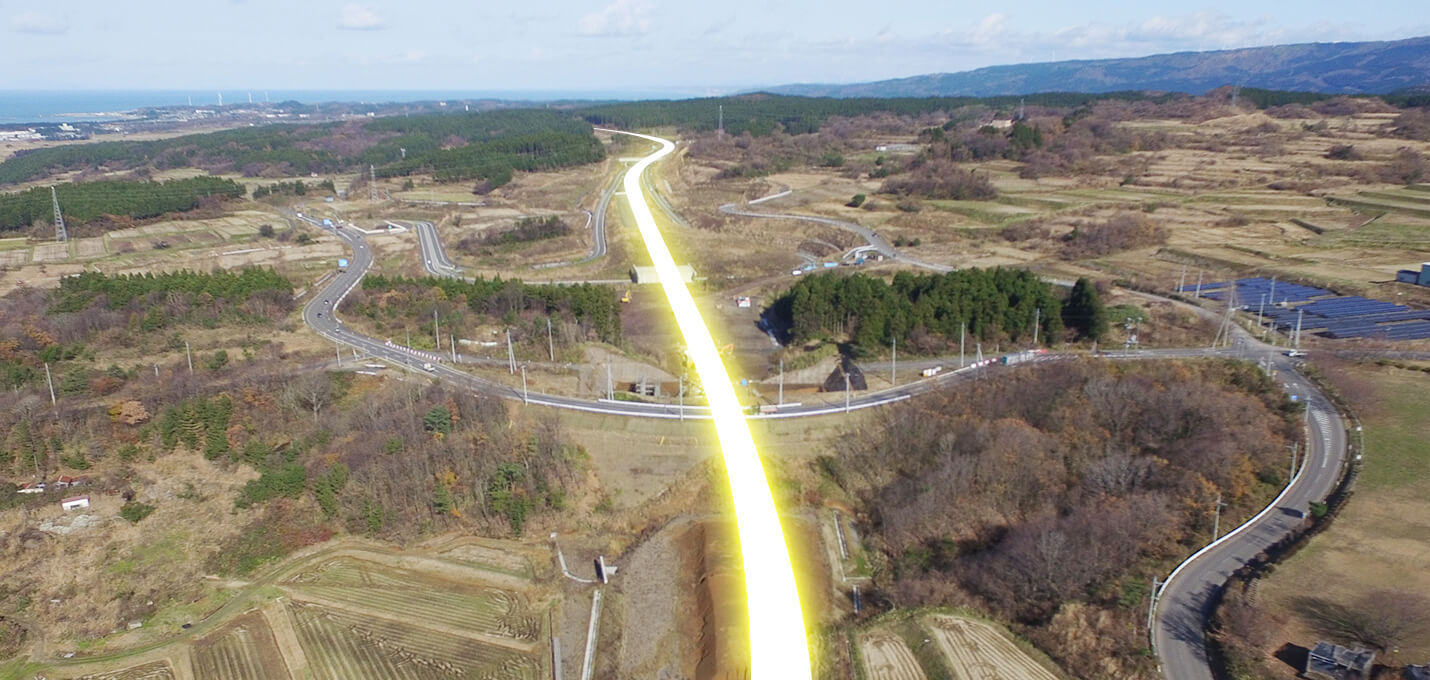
(59, 106)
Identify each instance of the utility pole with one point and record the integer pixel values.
(156, 370)
(550, 347)
(682, 398)
(1273, 291)
(51, 382)
(1260, 307)
(1199, 284)
(436, 336)
(60, 233)
(190, 356)
(452, 342)
(782, 382)
(1216, 520)
(524, 399)
(1182, 281)
(338, 349)
(1037, 319)
(510, 354)
(962, 335)
(894, 367)
(1299, 313)
(720, 134)
(610, 384)
(371, 184)
(1295, 448)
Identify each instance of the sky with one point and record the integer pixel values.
(672, 47)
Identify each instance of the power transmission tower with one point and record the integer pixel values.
(372, 184)
(60, 234)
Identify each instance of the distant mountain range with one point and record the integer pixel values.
(1336, 68)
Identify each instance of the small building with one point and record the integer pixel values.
(1327, 661)
(641, 274)
(1419, 278)
(74, 503)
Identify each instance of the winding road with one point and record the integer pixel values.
(1183, 601)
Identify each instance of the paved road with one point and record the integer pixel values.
(1185, 600)
(434, 257)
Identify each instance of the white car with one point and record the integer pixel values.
(1295, 353)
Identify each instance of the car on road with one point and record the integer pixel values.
(429, 368)
(1295, 353)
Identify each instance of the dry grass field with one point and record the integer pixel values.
(345, 613)
(1382, 537)
(945, 646)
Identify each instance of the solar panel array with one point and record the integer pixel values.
(1320, 311)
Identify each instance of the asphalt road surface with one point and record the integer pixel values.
(434, 258)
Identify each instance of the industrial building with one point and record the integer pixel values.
(1328, 661)
(1419, 278)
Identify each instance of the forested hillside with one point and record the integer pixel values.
(1050, 496)
(487, 146)
(762, 114)
(91, 201)
(250, 454)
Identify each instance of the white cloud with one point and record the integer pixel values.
(355, 17)
(990, 29)
(620, 18)
(38, 24)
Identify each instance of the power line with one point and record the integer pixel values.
(60, 234)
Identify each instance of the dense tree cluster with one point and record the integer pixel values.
(294, 188)
(489, 146)
(1064, 484)
(923, 311)
(594, 309)
(61, 327)
(1120, 232)
(941, 180)
(527, 229)
(89, 201)
(118, 290)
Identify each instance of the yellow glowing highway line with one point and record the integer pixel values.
(778, 648)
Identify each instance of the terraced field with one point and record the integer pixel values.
(354, 613)
(409, 596)
(349, 646)
(977, 651)
(241, 650)
(157, 670)
(886, 657)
